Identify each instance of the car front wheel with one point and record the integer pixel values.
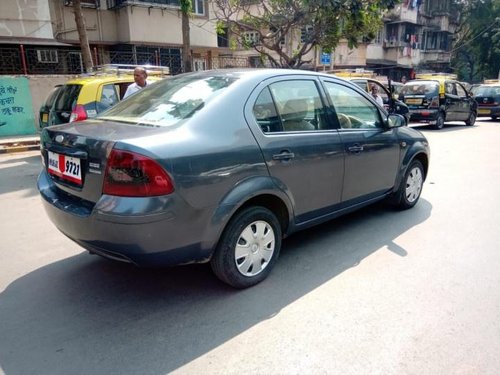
(409, 191)
(248, 248)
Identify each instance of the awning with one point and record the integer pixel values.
(33, 42)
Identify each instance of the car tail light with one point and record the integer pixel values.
(434, 102)
(129, 174)
(78, 114)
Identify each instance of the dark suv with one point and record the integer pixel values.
(437, 99)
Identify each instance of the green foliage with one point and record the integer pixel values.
(186, 6)
(476, 53)
(279, 25)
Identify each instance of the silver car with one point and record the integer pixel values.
(220, 166)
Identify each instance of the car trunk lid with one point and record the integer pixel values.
(76, 155)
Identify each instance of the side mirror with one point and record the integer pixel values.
(395, 121)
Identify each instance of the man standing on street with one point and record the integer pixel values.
(140, 76)
(377, 97)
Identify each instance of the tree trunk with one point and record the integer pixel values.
(82, 35)
(186, 44)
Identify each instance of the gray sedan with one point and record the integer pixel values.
(219, 166)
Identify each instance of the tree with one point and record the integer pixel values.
(82, 35)
(186, 9)
(476, 52)
(285, 31)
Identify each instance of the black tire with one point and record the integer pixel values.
(471, 120)
(248, 248)
(410, 188)
(494, 118)
(439, 121)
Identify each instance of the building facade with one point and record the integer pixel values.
(417, 37)
(40, 37)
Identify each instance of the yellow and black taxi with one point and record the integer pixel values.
(90, 94)
(488, 99)
(436, 98)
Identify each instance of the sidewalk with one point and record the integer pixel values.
(19, 143)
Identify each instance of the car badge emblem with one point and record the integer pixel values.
(485, 100)
(59, 138)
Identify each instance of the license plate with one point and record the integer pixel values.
(45, 117)
(484, 111)
(66, 167)
(414, 101)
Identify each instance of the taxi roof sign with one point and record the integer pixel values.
(129, 69)
(495, 80)
(353, 73)
(436, 76)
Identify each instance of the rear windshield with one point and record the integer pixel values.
(488, 91)
(66, 100)
(169, 101)
(420, 88)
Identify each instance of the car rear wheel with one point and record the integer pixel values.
(248, 248)
(471, 120)
(409, 191)
(440, 121)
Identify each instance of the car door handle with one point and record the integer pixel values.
(355, 149)
(284, 155)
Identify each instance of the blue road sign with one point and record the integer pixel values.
(325, 58)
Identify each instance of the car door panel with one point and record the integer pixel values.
(371, 162)
(309, 164)
(372, 152)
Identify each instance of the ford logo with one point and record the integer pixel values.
(59, 138)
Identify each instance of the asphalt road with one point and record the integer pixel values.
(376, 292)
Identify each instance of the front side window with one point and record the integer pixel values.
(461, 91)
(353, 110)
(290, 106)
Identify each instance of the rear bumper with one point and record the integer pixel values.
(144, 231)
(488, 111)
(424, 115)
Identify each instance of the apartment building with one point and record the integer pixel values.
(417, 37)
(40, 36)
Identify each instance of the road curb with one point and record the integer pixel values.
(17, 147)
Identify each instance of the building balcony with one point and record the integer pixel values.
(438, 56)
(402, 14)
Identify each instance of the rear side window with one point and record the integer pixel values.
(68, 97)
(109, 95)
(292, 105)
(450, 88)
(265, 113)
